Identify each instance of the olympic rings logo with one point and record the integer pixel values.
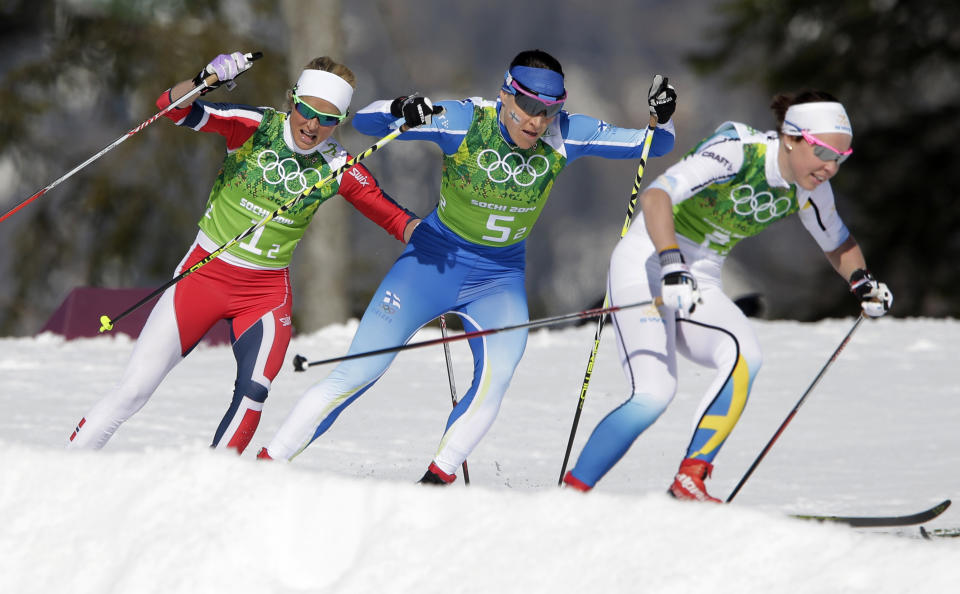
(762, 206)
(286, 171)
(513, 166)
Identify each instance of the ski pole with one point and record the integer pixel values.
(631, 206)
(793, 412)
(106, 322)
(208, 82)
(300, 362)
(453, 383)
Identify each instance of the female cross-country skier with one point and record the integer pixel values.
(272, 156)
(500, 161)
(730, 186)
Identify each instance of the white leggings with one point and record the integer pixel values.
(257, 305)
(717, 335)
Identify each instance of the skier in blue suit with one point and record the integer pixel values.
(500, 161)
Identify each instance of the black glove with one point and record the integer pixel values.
(662, 99)
(415, 110)
(875, 298)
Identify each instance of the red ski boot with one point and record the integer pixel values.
(437, 477)
(688, 483)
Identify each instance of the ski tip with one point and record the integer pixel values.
(880, 521)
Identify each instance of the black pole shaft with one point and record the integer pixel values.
(453, 384)
(300, 362)
(210, 80)
(588, 374)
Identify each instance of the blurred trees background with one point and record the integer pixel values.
(79, 73)
(896, 67)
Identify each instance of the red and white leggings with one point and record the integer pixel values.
(257, 303)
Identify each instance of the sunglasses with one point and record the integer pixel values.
(534, 103)
(325, 119)
(824, 151)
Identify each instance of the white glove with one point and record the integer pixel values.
(678, 287)
(875, 298)
(226, 67)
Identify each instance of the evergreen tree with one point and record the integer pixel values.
(79, 75)
(894, 65)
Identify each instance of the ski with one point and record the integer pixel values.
(880, 521)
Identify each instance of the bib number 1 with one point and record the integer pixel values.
(251, 245)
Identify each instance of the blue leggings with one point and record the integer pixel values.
(438, 272)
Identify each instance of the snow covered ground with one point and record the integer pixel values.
(158, 511)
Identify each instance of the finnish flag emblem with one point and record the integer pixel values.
(391, 302)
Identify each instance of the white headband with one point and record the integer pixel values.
(816, 118)
(325, 85)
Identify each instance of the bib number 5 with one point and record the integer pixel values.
(505, 233)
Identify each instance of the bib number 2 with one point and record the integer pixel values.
(505, 232)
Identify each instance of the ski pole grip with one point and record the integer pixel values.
(212, 79)
(298, 362)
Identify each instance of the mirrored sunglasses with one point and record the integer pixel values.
(824, 151)
(325, 119)
(534, 103)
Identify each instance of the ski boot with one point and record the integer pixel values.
(688, 482)
(572, 482)
(437, 477)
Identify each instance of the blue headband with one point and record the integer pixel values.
(538, 80)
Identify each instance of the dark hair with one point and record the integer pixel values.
(537, 58)
(783, 101)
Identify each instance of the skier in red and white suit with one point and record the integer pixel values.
(272, 156)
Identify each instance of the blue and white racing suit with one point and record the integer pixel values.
(466, 257)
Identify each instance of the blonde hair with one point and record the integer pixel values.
(330, 65)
